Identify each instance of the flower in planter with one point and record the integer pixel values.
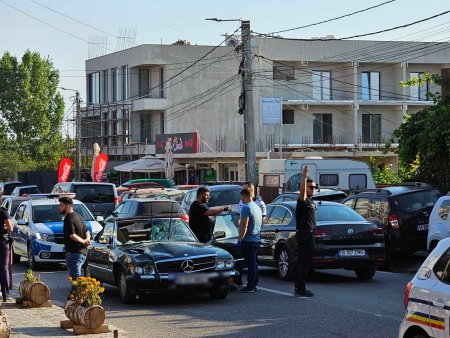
(86, 291)
(31, 277)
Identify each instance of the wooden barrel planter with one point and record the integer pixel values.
(91, 317)
(5, 328)
(37, 292)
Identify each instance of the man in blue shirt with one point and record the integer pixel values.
(249, 238)
(257, 199)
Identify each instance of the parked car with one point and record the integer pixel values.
(99, 198)
(322, 194)
(149, 207)
(186, 187)
(8, 187)
(12, 203)
(164, 182)
(167, 193)
(154, 255)
(220, 195)
(38, 230)
(439, 225)
(25, 190)
(427, 297)
(402, 209)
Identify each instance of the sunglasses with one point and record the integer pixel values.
(312, 186)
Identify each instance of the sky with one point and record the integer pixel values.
(35, 25)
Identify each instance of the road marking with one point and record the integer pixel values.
(276, 291)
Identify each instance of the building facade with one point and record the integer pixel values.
(339, 99)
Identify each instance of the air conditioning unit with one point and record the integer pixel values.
(305, 63)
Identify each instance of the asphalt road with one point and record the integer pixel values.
(342, 307)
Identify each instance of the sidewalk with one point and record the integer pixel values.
(44, 322)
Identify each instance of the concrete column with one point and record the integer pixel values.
(355, 101)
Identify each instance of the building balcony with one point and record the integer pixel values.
(149, 104)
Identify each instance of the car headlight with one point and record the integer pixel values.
(229, 263)
(220, 263)
(148, 269)
(45, 236)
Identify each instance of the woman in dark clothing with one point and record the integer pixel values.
(5, 229)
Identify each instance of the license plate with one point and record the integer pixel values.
(422, 227)
(352, 253)
(192, 279)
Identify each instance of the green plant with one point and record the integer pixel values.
(31, 277)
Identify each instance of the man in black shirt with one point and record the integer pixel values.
(5, 229)
(199, 222)
(76, 237)
(305, 214)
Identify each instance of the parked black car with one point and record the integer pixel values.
(157, 255)
(8, 187)
(220, 195)
(322, 194)
(403, 210)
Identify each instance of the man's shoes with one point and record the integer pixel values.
(247, 289)
(255, 288)
(303, 293)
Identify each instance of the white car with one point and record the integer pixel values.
(439, 224)
(427, 297)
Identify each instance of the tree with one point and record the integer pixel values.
(424, 138)
(181, 42)
(31, 110)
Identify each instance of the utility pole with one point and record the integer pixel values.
(249, 115)
(78, 135)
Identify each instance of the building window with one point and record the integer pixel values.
(105, 126)
(321, 81)
(418, 92)
(288, 116)
(283, 72)
(94, 88)
(105, 86)
(146, 127)
(125, 83)
(370, 86)
(144, 84)
(371, 128)
(161, 120)
(114, 128)
(115, 84)
(161, 82)
(322, 128)
(126, 126)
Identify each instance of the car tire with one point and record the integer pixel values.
(285, 267)
(421, 336)
(87, 271)
(16, 257)
(365, 273)
(30, 255)
(126, 296)
(219, 292)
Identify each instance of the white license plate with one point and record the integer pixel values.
(192, 279)
(422, 227)
(352, 253)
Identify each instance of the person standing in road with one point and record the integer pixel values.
(76, 237)
(249, 238)
(257, 199)
(5, 242)
(199, 212)
(305, 214)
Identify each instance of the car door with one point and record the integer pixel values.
(273, 231)
(99, 253)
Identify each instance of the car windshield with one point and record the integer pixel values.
(159, 229)
(50, 213)
(224, 197)
(94, 193)
(340, 213)
(227, 223)
(417, 200)
(158, 208)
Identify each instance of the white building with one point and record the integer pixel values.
(340, 98)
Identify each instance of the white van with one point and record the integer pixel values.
(343, 174)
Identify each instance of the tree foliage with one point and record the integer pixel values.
(31, 111)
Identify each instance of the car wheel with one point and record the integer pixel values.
(31, 261)
(365, 273)
(16, 257)
(219, 292)
(421, 336)
(284, 263)
(87, 271)
(125, 293)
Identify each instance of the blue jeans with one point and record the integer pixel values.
(249, 250)
(74, 262)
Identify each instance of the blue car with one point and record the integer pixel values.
(38, 230)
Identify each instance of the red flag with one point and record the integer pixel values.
(64, 169)
(99, 168)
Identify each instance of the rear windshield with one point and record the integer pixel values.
(33, 190)
(416, 200)
(50, 213)
(224, 197)
(158, 208)
(330, 213)
(94, 193)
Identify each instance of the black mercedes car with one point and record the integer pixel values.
(145, 256)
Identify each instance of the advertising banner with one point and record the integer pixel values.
(64, 169)
(179, 143)
(271, 110)
(99, 168)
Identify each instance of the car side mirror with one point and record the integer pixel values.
(22, 222)
(219, 234)
(100, 219)
(104, 240)
(114, 213)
